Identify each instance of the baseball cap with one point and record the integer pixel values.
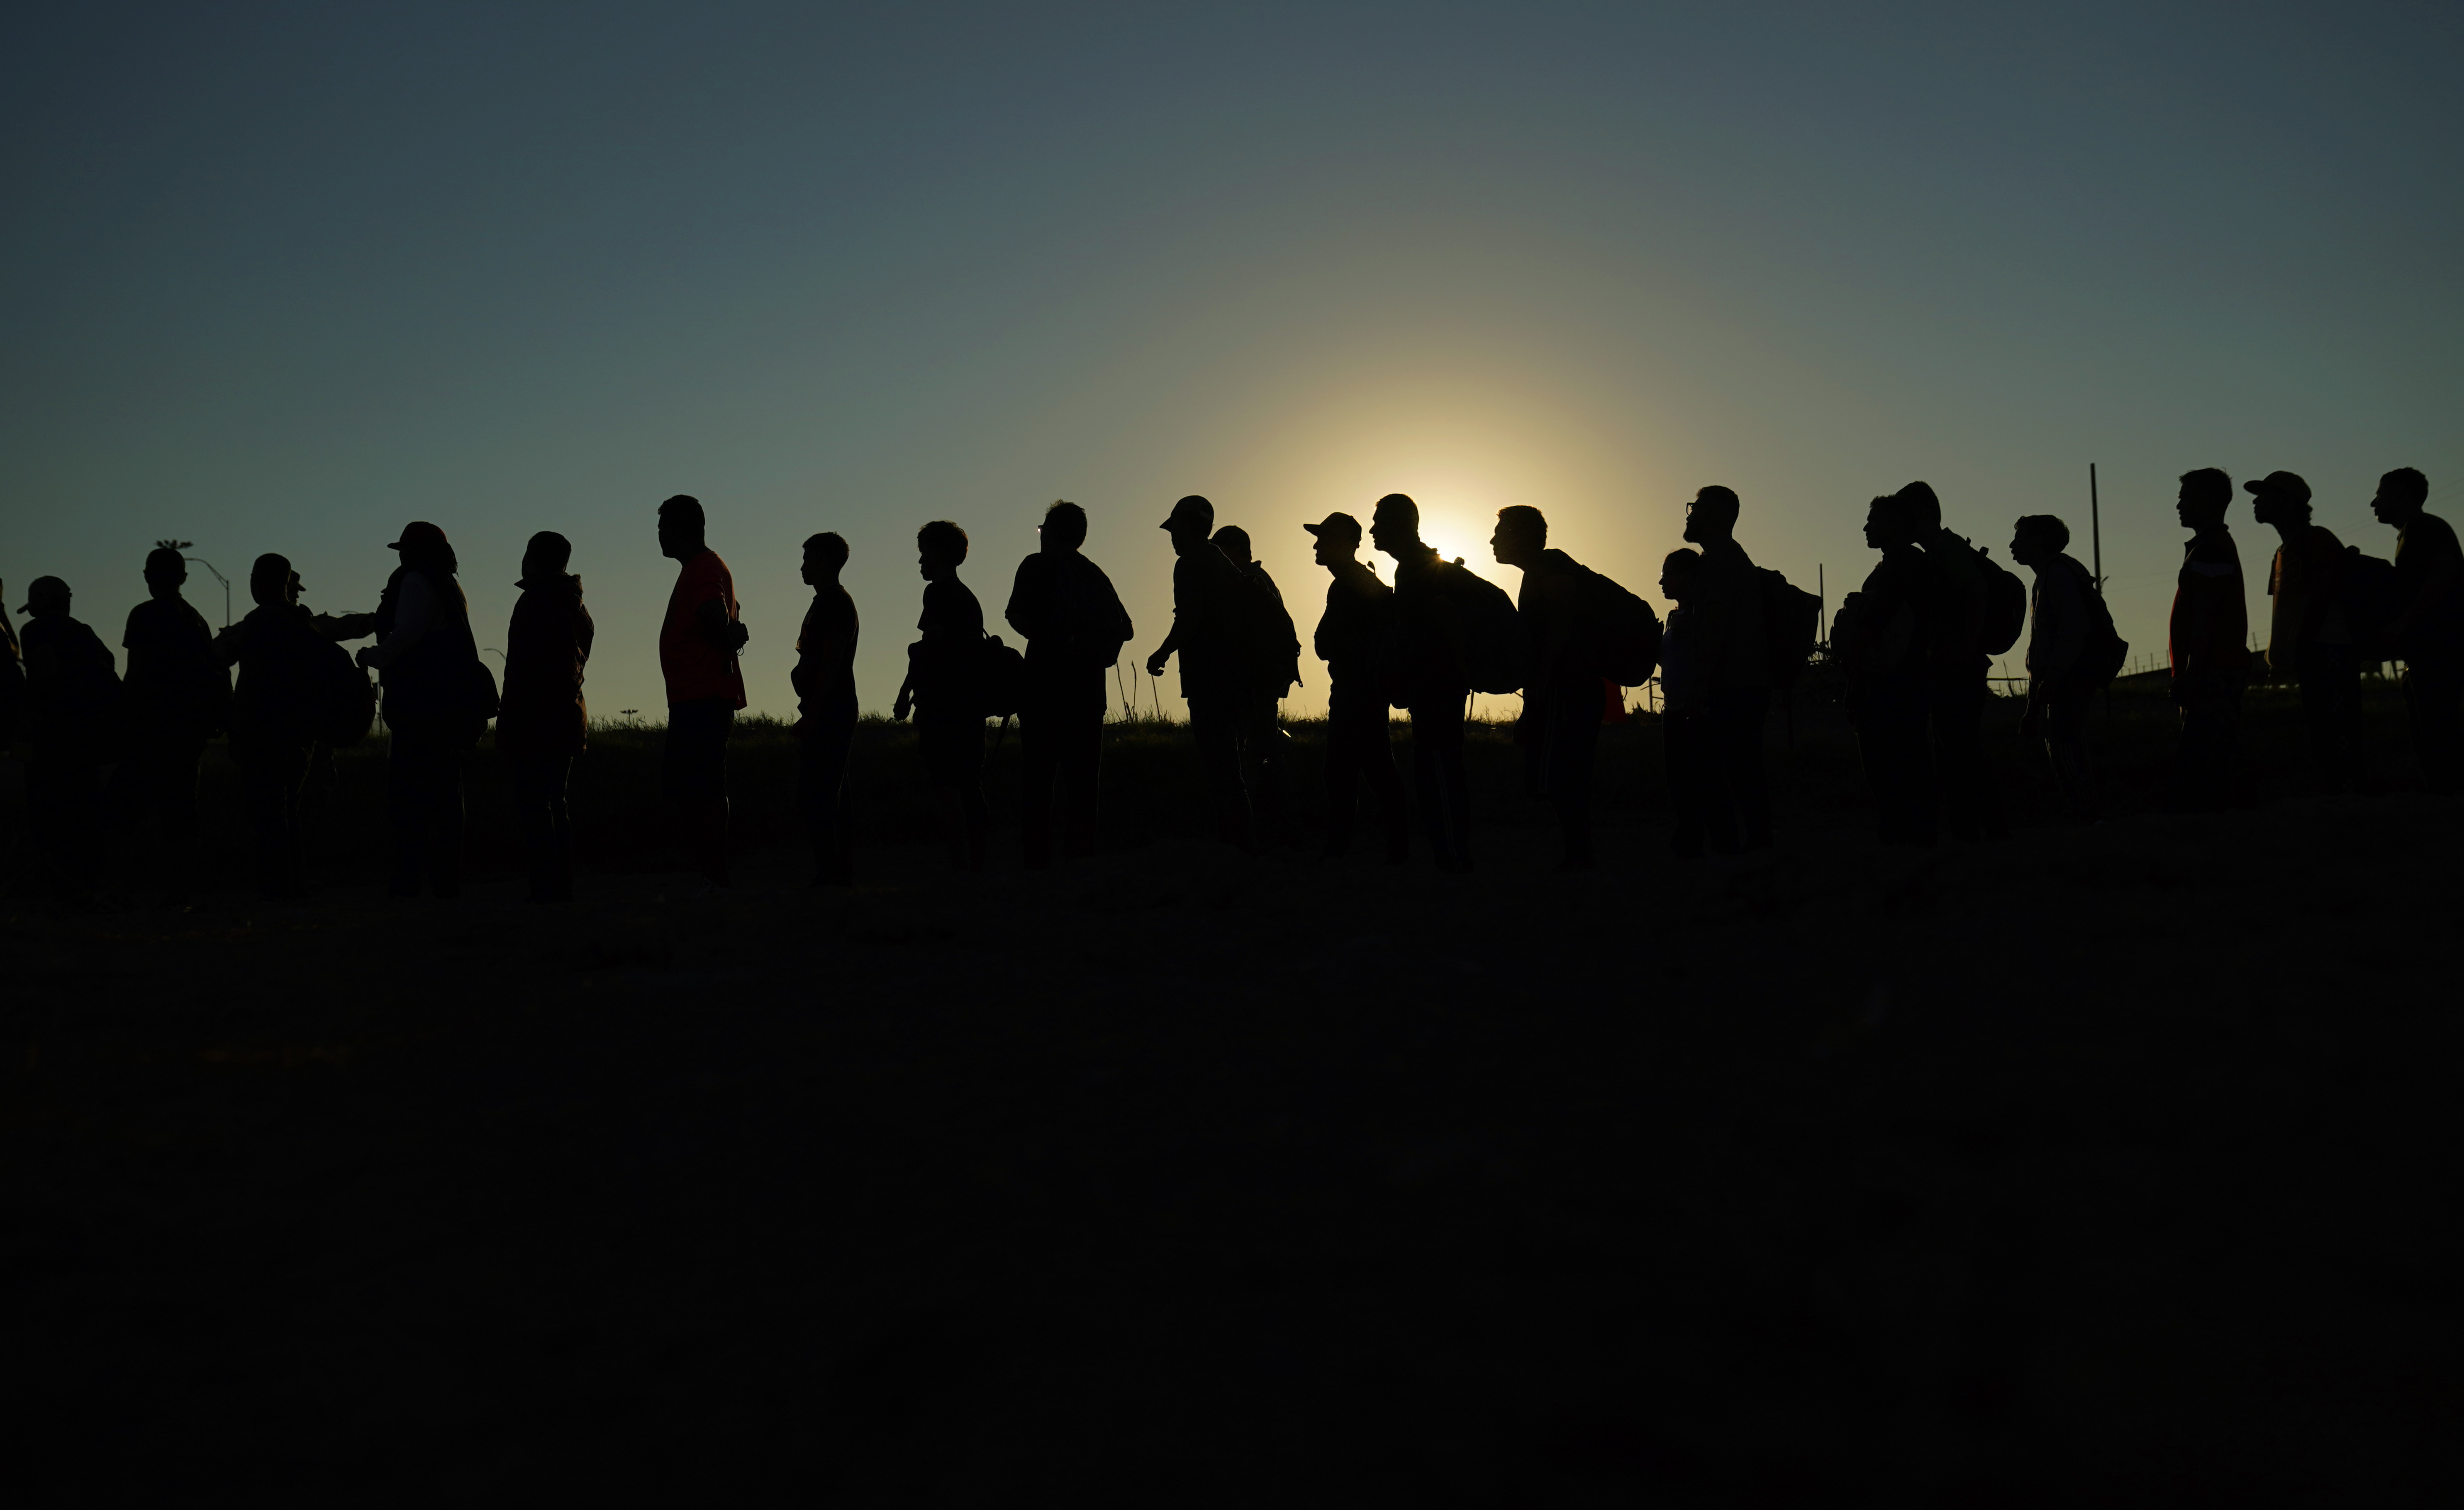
(1342, 526)
(420, 535)
(1197, 507)
(2280, 482)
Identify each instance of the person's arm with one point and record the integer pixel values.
(414, 614)
(2069, 627)
(1185, 611)
(727, 633)
(2440, 581)
(340, 626)
(585, 632)
(1020, 613)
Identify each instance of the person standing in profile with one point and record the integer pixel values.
(825, 683)
(1350, 639)
(2309, 637)
(699, 642)
(1210, 622)
(178, 696)
(1702, 819)
(543, 721)
(2062, 620)
(437, 704)
(944, 693)
(73, 696)
(1430, 680)
(1732, 631)
(1879, 635)
(1955, 667)
(1563, 700)
(13, 677)
(2207, 645)
(1074, 626)
(273, 720)
(1274, 652)
(2428, 629)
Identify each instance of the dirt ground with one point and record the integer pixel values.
(2104, 1166)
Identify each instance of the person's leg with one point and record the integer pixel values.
(1261, 767)
(2433, 699)
(2329, 679)
(408, 791)
(533, 819)
(444, 813)
(973, 810)
(1213, 727)
(1039, 739)
(1681, 760)
(1346, 753)
(557, 783)
(288, 765)
(1081, 780)
(696, 777)
(1437, 771)
(2066, 716)
(1574, 741)
(1376, 744)
(1740, 715)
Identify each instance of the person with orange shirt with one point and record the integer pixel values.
(699, 645)
(2208, 645)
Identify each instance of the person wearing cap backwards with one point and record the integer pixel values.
(72, 704)
(178, 695)
(543, 721)
(2427, 630)
(438, 699)
(1210, 619)
(2308, 636)
(2207, 644)
(699, 642)
(1275, 654)
(1074, 626)
(1350, 639)
(274, 719)
(1430, 682)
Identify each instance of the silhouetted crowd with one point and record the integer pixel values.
(1913, 646)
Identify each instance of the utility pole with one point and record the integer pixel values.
(2095, 530)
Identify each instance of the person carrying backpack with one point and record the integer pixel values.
(438, 698)
(178, 696)
(1212, 633)
(2207, 648)
(1879, 636)
(71, 714)
(1074, 626)
(1352, 640)
(943, 690)
(2309, 637)
(1274, 652)
(1563, 696)
(544, 722)
(1732, 642)
(2070, 655)
(1430, 678)
(274, 719)
(2428, 629)
(1964, 621)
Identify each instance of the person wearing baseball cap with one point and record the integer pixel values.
(2309, 636)
(438, 698)
(1360, 741)
(72, 704)
(1215, 674)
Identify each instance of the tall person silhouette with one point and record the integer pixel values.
(1210, 633)
(2310, 637)
(274, 719)
(1732, 634)
(1074, 626)
(178, 696)
(438, 699)
(2207, 647)
(1955, 667)
(1430, 680)
(2427, 627)
(2062, 633)
(72, 704)
(1563, 698)
(699, 642)
(944, 690)
(1274, 655)
(825, 682)
(1879, 635)
(544, 722)
(13, 677)
(1352, 640)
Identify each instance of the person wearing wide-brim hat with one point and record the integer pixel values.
(438, 698)
(2309, 634)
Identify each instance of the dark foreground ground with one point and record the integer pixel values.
(2104, 1167)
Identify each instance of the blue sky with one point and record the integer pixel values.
(285, 277)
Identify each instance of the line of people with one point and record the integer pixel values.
(1914, 645)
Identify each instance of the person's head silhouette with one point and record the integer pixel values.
(2204, 496)
(272, 581)
(2037, 540)
(47, 598)
(825, 555)
(1521, 535)
(1191, 521)
(1234, 542)
(1922, 509)
(1889, 521)
(167, 571)
(1679, 571)
(940, 547)
(2400, 498)
(1338, 539)
(2280, 498)
(1394, 525)
(1713, 516)
(545, 559)
(681, 526)
(1064, 528)
(424, 547)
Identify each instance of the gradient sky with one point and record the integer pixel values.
(283, 277)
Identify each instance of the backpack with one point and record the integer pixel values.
(1491, 647)
(342, 702)
(2006, 604)
(1000, 676)
(1792, 620)
(1625, 630)
(2101, 659)
(2372, 598)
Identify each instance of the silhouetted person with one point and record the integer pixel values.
(1879, 635)
(543, 721)
(1563, 700)
(177, 696)
(1430, 680)
(1218, 678)
(2309, 637)
(72, 708)
(825, 683)
(2428, 628)
(438, 699)
(2062, 624)
(945, 690)
(1351, 638)
(1731, 635)
(12, 677)
(1955, 669)
(1275, 654)
(1074, 626)
(1703, 811)
(274, 719)
(2208, 645)
(699, 642)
